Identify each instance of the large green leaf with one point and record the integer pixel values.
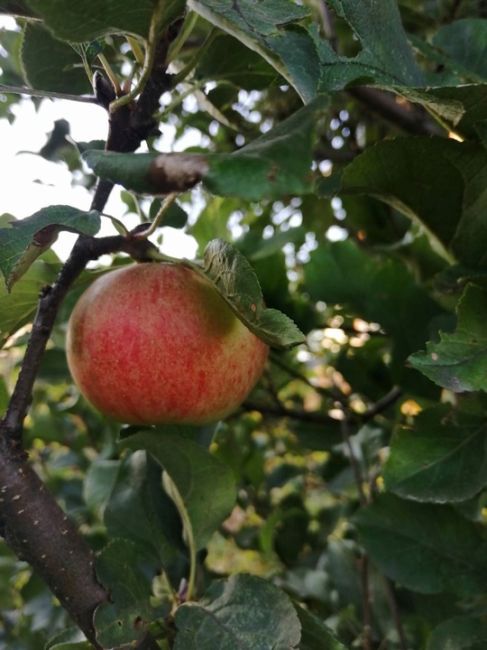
(464, 41)
(380, 289)
(18, 307)
(69, 639)
(230, 60)
(21, 242)
(459, 633)
(123, 570)
(417, 177)
(207, 486)
(272, 30)
(237, 283)
(51, 64)
(426, 548)
(274, 165)
(99, 480)
(138, 496)
(385, 45)
(439, 182)
(442, 458)
(242, 612)
(459, 360)
(276, 31)
(90, 19)
(315, 634)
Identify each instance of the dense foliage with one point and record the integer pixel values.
(339, 146)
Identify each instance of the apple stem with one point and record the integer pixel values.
(166, 204)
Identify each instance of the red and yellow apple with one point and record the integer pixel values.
(155, 343)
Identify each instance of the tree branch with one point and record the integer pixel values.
(16, 8)
(39, 532)
(32, 523)
(403, 114)
(295, 414)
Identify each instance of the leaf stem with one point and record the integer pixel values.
(150, 52)
(177, 44)
(173, 492)
(166, 204)
(110, 74)
(136, 49)
(191, 64)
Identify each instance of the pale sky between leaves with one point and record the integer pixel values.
(29, 183)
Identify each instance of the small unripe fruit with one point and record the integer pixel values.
(156, 343)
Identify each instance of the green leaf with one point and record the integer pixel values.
(99, 482)
(386, 50)
(237, 283)
(51, 64)
(442, 459)
(459, 633)
(138, 496)
(274, 165)
(91, 19)
(272, 30)
(462, 106)
(175, 216)
(70, 639)
(464, 43)
(18, 307)
(415, 176)
(277, 32)
(139, 171)
(241, 612)
(436, 181)
(379, 289)
(4, 396)
(213, 220)
(123, 570)
(459, 360)
(426, 548)
(21, 242)
(228, 59)
(206, 485)
(315, 634)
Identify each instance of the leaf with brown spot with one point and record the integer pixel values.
(22, 241)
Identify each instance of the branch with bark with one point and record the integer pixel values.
(31, 522)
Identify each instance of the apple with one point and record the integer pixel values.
(155, 343)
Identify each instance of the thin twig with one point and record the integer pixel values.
(404, 115)
(328, 23)
(330, 393)
(383, 403)
(294, 414)
(32, 92)
(357, 472)
(366, 606)
(394, 609)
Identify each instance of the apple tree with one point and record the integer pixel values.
(334, 178)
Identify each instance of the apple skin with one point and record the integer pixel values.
(155, 343)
